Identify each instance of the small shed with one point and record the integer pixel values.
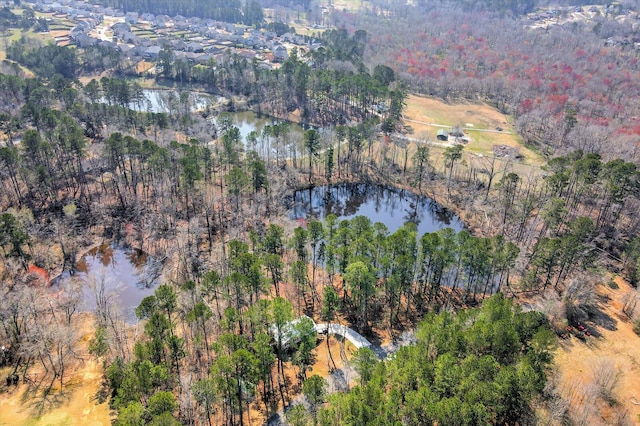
(442, 135)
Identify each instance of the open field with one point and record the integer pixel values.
(427, 115)
(142, 32)
(351, 5)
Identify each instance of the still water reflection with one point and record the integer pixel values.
(115, 277)
(391, 206)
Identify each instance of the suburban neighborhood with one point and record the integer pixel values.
(143, 36)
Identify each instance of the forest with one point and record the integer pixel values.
(462, 325)
(227, 11)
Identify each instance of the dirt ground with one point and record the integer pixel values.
(77, 405)
(578, 364)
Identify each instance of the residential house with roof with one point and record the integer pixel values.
(280, 53)
(152, 53)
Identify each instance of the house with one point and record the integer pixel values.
(139, 50)
(251, 41)
(247, 53)
(181, 25)
(288, 37)
(131, 18)
(442, 135)
(152, 53)
(195, 22)
(194, 47)
(130, 37)
(120, 28)
(178, 45)
(107, 44)
(126, 50)
(84, 40)
(204, 58)
(280, 54)
(290, 333)
(160, 21)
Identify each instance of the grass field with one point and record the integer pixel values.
(59, 27)
(427, 115)
(142, 33)
(351, 5)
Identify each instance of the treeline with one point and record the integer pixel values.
(226, 340)
(584, 200)
(565, 87)
(249, 12)
(25, 21)
(502, 7)
(50, 60)
(515, 7)
(47, 60)
(402, 272)
(329, 86)
(479, 366)
(291, 3)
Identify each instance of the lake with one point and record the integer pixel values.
(387, 205)
(121, 277)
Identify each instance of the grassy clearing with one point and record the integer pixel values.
(424, 115)
(304, 29)
(185, 34)
(352, 5)
(430, 110)
(59, 27)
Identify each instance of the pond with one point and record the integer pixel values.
(117, 276)
(169, 100)
(390, 206)
(155, 100)
(248, 121)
